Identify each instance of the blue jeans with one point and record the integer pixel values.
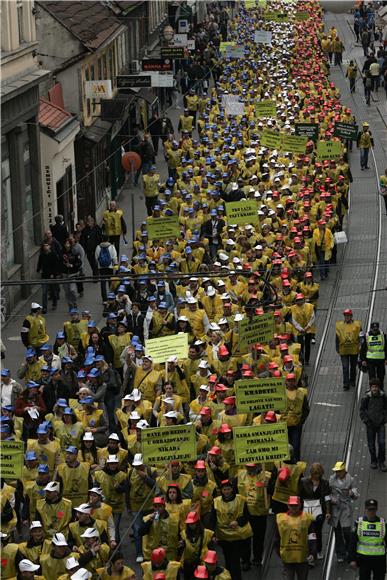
(136, 526)
(349, 362)
(364, 157)
(373, 434)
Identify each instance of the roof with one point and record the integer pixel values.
(122, 7)
(91, 23)
(51, 116)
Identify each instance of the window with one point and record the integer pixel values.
(28, 194)
(110, 65)
(104, 67)
(19, 7)
(100, 69)
(6, 202)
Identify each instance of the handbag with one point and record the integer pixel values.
(313, 507)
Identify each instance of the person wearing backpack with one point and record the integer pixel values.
(106, 258)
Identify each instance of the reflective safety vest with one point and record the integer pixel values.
(33, 553)
(75, 482)
(171, 571)
(34, 491)
(48, 453)
(252, 487)
(195, 551)
(99, 560)
(73, 333)
(163, 533)
(68, 434)
(283, 490)
(348, 336)
(293, 531)
(203, 495)
(375, 346)
(55, 517)
(139, 493)
(186, 123)
(54, 567)
(227, 512)
(183, 481)
(146, 382)
(77, 530)
(112, 222)
(126, 574)
(151, 185)
(90, 419)
(6, 494)
(107, 483)
(371, 537)
(118, 343)
(295, 400)
(365, 140)
(103, 512)
(8, 555)
(37, 334)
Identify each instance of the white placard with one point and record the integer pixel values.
(236, 52)
(229, 99)
(162, 79)
(235, 108)
(341, 237)
(262, 36)
(99, 89)
(180, 40)
(191, 45)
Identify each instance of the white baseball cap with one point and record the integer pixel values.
(35, 524)
(148, 357)
(204, 388)
(71, 563)
(172, 359)
(137, 460)
(169, 400)
(34, 306)
(96, 490)
(28, 566)
(214, 326)
(191, 300)
(59, 540)
(2, 535)
(90, 533)
(143, 424)
(81, 574)
(182, 319)
(211, 291)
(88, 436)
(238, 317)
(135, 395)
(114, 436)
(52, 486)
(171, 415)
(84, 508)
(112, 459)
(203, 364)
(134, 416)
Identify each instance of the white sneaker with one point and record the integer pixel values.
(313, 341)
(320, 556)
(139, 559)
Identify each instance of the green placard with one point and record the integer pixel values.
(225, 45)
(346, 131)
(294, 144)
(163, 227)
(164, 444)
(262, 3)
(271, 139)
(302, 16)
(242, 212)
(259, 443)
(256, 329)
(11, 459)
(276, 16)
(310, 130)
(250, 4)
(266, 108)
(260, 395)
(160, 349)
(329, 150)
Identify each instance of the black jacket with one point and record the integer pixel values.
(48, 264)
(307, 492)
(373, 409)
(206, 230)
(54, 391)
(90, 238)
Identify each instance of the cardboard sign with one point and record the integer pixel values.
(276, 16)
(300, 16)
(271, 139)
(256, 329)
(164, 444)
(11, 459)
(266, 108)
(262, 36)
(160, 349)
(329, 150)
(236, 52)
(225, 45)
(310, 130)
(260, 395)
(259, 443)
(346, 131)
(242, 212)
(235, 108)
(294, 144)
(163, 227)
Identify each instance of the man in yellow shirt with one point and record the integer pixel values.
(348, 346)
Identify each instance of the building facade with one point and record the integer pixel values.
(21, 193)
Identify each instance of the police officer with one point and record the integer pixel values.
(373, 352)
(348, 346)
(368, 544)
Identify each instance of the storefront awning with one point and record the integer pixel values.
(97, 131)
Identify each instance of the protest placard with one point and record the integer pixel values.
(259, 443)
(235, 108)
(271, 139)
(262, 36)
(256, 329)
(310, 130)
(266, 108)
(163, 227)
(294, 144)
(346, 131)
(242, 212)
(260, 395)
(236, 52)
(329, 150)
(225, 45)
(163, 444)
(276, 16)
(11, 459)
(300, 16)
(160, 349)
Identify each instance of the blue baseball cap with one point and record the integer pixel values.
(121, 288)
(163, 305)
(87, 401)
(93, 373)
(42, 468)
(60, 334)
(73, 311)
(67, 411)
(67, 360)
(46, 347)
(168, 212)
(42, 429)
(71, 449)
(111, 296)
(9, 408)
(161, 283)
(138, 346)
(91, 324)
(32, 385)
(45, 368)
(89, 361)
(124, 258)
(188, 250)
(81, 375)
(30, 352)
(30, 456)
(5, 372)
(112, 316)
(4, 428)
(151, 299)
(61, 403)
(99, 358)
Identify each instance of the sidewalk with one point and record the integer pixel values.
(131, 201)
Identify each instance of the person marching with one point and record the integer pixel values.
(373, 352)
(367, 550)
(364, 142)
(114, 225)
(348, 346)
